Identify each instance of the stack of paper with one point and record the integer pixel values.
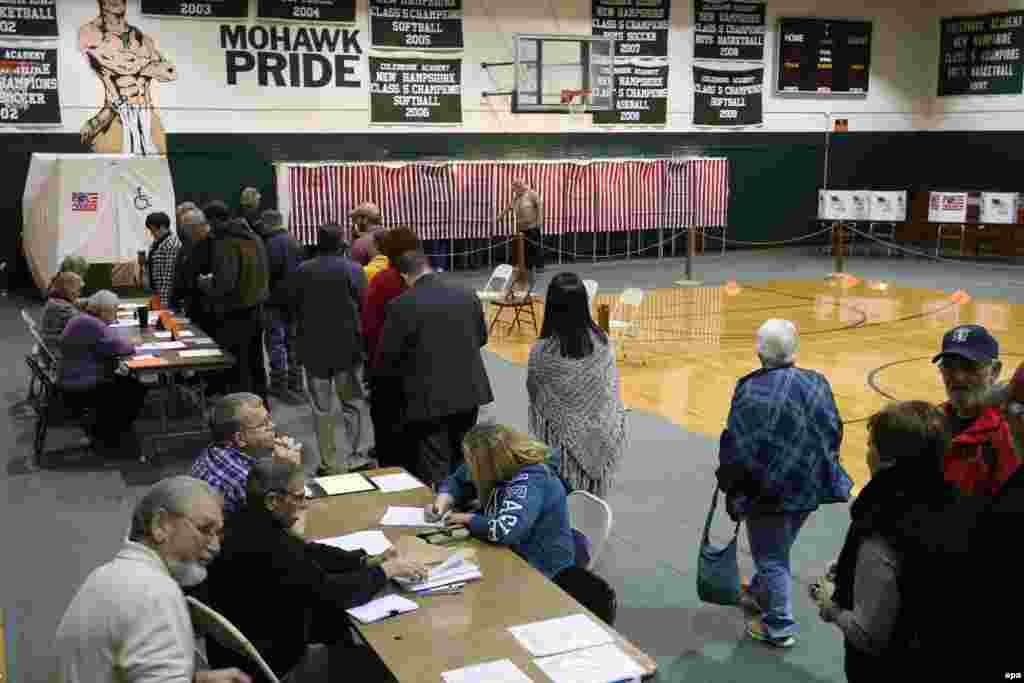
(199, 353)
(393, 483)
(161, 346)
(564, 634)
(397, 515)
(454, 570)
(373, 542)
(343, 483)
(601, 664)
(382, 608)
(498, 671)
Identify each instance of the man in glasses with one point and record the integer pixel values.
(981, 457)
(129, 621)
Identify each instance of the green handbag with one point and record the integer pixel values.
(718, 570)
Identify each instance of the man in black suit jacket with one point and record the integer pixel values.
(431, 341)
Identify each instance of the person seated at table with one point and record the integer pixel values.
(242, 432)
(522, 501)
(272, 584)
(61, 306)
(89, 375)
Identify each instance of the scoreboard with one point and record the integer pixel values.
(824, 56)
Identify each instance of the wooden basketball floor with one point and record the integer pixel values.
(873, 340)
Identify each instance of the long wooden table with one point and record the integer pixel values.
(454, 631)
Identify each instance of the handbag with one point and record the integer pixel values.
(718, 570)
(839, 485)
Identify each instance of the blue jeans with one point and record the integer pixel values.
(771, 538)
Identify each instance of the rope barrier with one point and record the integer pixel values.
(934, 257)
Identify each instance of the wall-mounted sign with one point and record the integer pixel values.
(415, 91)
(414, 24)
(308, 10)
(28, 19)
(640, 94)
(981, 55)
(889, 206)
(204, 9)
(824, 56)
(728, 29)
(999, 207)
(835, 205)
(639, 27)
(727, 98)
(860, 205)
(28, 85)
(947, 207)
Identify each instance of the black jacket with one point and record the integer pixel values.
(266, 580)
(432, 338)
(240, 271)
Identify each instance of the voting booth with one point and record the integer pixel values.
(92, 205)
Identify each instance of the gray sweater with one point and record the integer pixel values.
(876, 598)
(56, 314)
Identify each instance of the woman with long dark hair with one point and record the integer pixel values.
(573, 385)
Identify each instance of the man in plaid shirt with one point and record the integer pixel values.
(782, 435)
(163, 255)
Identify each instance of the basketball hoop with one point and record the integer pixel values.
(576, 100)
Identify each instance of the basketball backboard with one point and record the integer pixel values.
(546, 65)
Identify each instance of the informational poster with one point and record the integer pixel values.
(999, 207)
(206, 9)
(416, 24)
(639, 27)
(835, 205)
(947, 207)
(728, 30)
(28, 85)
(343, 11)
(860, 205)
(639, 95)
(824, 56)
(889, 206)
(28, 19)
(415, 91)
(728, 98)
(981, 55)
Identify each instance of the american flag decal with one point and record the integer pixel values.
(84, 201)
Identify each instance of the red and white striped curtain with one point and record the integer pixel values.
(628, 195)
(474, 204)
(708, 192)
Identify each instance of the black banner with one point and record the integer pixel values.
(203, 9)
(981, 55)
(308, 10)
(639, 96)
(28, 18)
(639, 27)
(824, 56)
(28, 85)
(416, 24)
(730, 30)
(728, 98)
(415, 91)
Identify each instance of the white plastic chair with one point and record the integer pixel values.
(591, 287)
(212, 623)
(592, 517)
(502, 274)
(625, 318)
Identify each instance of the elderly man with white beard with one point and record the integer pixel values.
(129, 621)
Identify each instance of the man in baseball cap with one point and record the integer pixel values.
(366, 220)
(981, 457)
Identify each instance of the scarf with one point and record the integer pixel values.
(576, 405)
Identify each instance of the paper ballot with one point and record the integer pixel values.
(564, 634)
(393, 483)
(373, 542)
(382, 608)
(343, 483)
(601, 664)
(199, 353)
(407, 516)
(453, 570)
(498, 671)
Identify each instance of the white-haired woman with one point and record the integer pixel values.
(90, 352)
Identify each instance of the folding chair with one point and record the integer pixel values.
(883, 231)
(592, 517)
(50, 404)
(490, 292)
(624, 319)
(521, 304)
(212, 623)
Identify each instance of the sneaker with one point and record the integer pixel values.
(755, 629)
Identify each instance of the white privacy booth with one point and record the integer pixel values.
(92, 205)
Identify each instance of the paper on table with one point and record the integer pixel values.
(601, 664)
(553, 636)
(454, 570)
(382, 608)
(393, 483)
(343, 483)
(373, 542)
(130, 306)
(186, 333)
(200, 353)
(407, 516)
(162, 335)
(160, 346)
(127, 322)
(418, 550)
(498, 671)
(203, 340)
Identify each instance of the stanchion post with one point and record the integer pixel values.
(837, 246)
(691, 243)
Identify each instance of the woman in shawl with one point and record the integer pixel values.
(904, 533)
(522, 502)
(574, 389)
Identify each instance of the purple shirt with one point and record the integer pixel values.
(226, 469)
(361, 247)
(89, 349)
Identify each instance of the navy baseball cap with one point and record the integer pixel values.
(970, 341)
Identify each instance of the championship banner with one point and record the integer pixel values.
(889, 207)
(639, 27)
(416, 24)
(999, 207)
(728, 98)
(415, 91)
(981, 55)
(730, 30)
(639, 94)
(28, 18)
(343, 11)
(28, 85)
(947, 207)
(207, 9)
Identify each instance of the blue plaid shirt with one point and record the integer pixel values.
(226, 469)
(783, 427)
